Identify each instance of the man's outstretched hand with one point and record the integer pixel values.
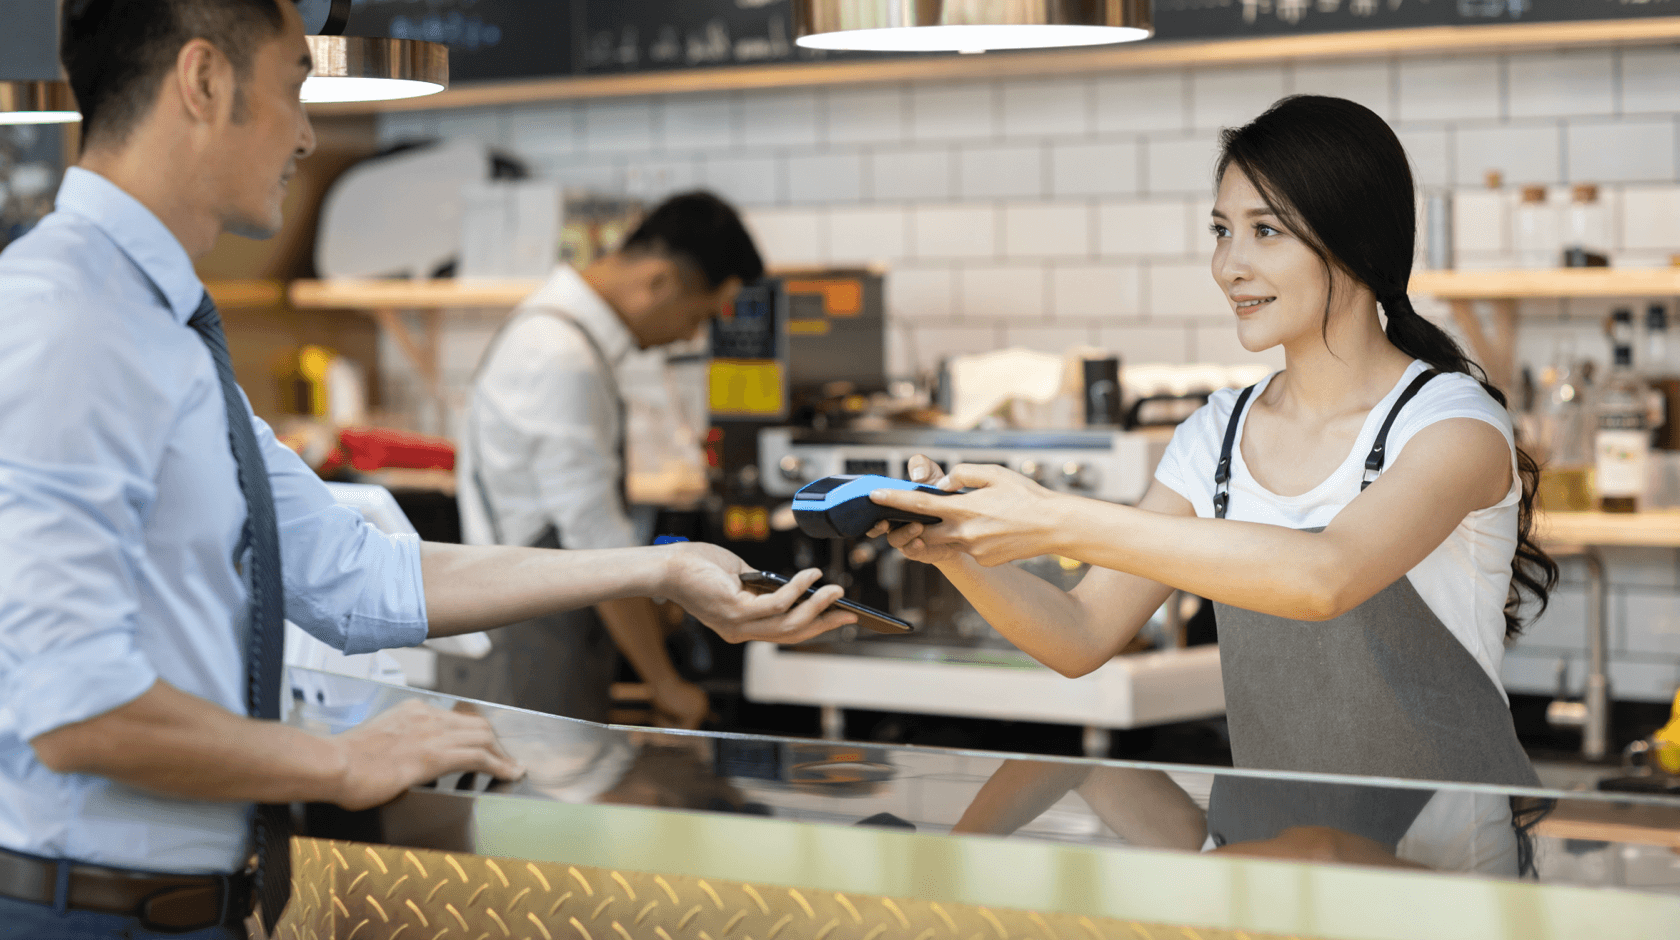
(706, 581)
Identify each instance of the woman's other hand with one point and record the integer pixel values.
(1004, 517)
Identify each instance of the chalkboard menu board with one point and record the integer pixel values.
(1235, 19)
(508, 39)
(487, 39)
(635, 35)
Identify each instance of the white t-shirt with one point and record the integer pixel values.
(1464, 581)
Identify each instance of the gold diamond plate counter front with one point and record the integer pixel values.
(354, 891)
(533, 869)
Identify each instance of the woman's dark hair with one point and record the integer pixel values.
(1335, 173)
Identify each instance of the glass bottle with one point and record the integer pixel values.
(1564, 434)
(1536, 230)
(1586, 230)
(1622, 446)
(1661, 370)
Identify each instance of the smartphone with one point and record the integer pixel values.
(876, 621)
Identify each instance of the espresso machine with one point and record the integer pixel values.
(790, 373)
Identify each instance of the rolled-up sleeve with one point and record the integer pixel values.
(348, 584)
(74, 490)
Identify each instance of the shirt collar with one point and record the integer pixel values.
(567, 290)
(150, 244)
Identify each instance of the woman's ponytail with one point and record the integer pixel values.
(1533, 572)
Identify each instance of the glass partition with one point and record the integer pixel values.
(1574, 838)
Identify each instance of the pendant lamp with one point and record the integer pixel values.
(967, 25)
(363, 68)
(37, 102)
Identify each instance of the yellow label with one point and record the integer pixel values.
(807, 327)
(747, 387)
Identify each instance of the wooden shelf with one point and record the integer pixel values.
(1636, 823)
(1560, 282)
(439, 294)
(1430, 40)
(1660, 529)
(230, 295)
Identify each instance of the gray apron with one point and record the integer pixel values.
(562, 663)
(1383, 690)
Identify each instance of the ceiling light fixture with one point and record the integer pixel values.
(967, 25)
(363, 68)
(358, 68)
(37, 102)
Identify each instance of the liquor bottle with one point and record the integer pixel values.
(1622, 446)
(1563, 433)
(1661, 370)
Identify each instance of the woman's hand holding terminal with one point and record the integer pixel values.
(1003, 517)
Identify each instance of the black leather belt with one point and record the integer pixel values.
(161, 902)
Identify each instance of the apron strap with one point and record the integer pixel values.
(1374, 462)
(609, 377)
(1222, 471)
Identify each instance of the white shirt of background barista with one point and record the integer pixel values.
(542, 426)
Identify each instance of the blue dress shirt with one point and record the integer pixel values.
(120, 513)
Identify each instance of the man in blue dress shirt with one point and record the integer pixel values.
(128, 765)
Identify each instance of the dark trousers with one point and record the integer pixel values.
(21, 920)
(562, 664)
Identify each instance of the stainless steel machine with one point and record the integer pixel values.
(956, 664)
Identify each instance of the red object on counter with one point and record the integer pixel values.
(371, 449)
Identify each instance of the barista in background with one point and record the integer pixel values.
(543, 455)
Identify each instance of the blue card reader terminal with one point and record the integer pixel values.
(839, 507)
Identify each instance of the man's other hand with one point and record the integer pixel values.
(411, 744)
(706, 581)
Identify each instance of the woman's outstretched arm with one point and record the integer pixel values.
(1071, 632)
(1448, 470)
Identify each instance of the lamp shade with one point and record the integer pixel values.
(967, 25)
(37, 102)
(360, 68)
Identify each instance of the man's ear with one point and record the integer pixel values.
(203, 81)
(664, 280)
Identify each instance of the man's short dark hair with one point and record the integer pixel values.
(702, 231)
(116, 52)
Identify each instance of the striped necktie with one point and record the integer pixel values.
(271, 824)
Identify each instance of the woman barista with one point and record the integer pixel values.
(1360, 519)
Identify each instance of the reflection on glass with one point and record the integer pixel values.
(1579, 838)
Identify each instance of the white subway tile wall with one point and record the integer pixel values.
(1562, 84)
(1231, 97)
(1369, 83)
(1631, 150)
(1648, 80)
(1054, 230)
(866, 115)
(1001, 171)
(1061, 211)
(1451, 89)
(1529, 152)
